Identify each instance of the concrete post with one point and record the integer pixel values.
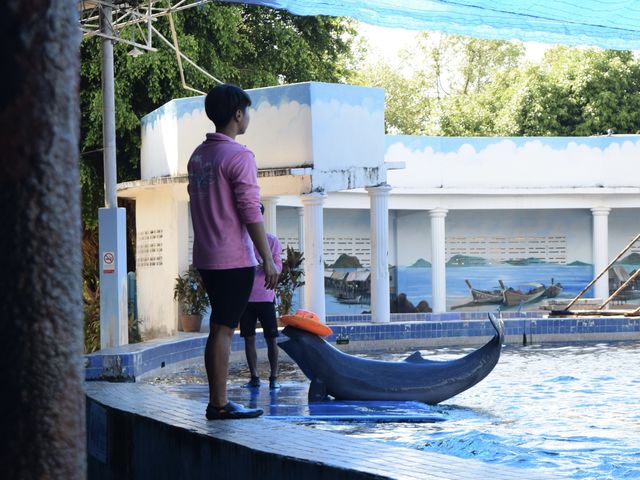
(601, 249)
(42, 420)
(301, 249)
(270, 208)
(314, 299)
(438, 261)
(379, 199)
(114, 318)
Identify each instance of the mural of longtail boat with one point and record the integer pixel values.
(484, 296)
(553, 290)
(509, 296)
(513, 297)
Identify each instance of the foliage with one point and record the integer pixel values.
(408, 107)
(438, 75)
(476, 61)
(468, 87)
(91, 297)
(579, 92)
(91, 294)
(135, 336)
(290, 279)
(247, 45)
(190, 292)
(243, 44)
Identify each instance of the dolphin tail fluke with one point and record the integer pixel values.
(498, 324)
(317, 391)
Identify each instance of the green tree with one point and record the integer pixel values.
(579, 92)
(436, 88)
(247, 45)
(464, 65)
(407, 104)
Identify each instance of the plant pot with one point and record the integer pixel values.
(191, 323)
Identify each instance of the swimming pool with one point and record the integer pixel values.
(567, 409)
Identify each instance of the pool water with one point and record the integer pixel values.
(573, 410)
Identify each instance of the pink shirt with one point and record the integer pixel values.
(259, 293)
(224, 197)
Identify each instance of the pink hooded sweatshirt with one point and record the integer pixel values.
(224, 197)
(259, 293)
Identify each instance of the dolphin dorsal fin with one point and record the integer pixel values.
(415, 357)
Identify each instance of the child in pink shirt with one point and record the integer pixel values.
(262, 307)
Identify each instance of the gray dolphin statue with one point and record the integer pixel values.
(346, 377)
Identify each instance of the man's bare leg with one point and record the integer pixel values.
(216, 361)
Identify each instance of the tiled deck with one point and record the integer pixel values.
(291, 449)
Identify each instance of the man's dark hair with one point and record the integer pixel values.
(222, 103)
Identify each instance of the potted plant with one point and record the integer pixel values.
(290, 279)
(189, 291)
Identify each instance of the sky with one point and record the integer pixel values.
(387, 42)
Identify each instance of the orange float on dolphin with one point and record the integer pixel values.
(308, 321)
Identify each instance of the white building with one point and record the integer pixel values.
(490, 208)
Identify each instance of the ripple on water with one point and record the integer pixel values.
(563, 379)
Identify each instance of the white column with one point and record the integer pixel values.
(301, 249)
(379, 200)
(438, 265)
(601, 249)
(314, 253)
(270, 207)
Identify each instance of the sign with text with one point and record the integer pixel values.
(108, 262)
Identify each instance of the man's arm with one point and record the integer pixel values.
(259, 238)
(276, 252)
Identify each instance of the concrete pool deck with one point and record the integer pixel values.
(139, 431)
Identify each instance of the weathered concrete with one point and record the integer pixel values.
(42, 418)
(137, 431)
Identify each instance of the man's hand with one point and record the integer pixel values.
(270, 274)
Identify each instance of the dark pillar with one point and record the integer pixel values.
(41, 411)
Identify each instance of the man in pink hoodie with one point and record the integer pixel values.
(227, 223)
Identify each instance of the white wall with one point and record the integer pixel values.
(495, 164)
(624, 225)
(336, 129)
(161, 252)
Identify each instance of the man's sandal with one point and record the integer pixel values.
(232, 411)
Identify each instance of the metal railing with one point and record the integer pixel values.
(567, 310)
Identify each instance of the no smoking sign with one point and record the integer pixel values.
(108, 262)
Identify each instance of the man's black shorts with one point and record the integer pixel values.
(263, 311)
(229, 292)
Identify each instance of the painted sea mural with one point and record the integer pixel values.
(545, 248)
(415, 283)
(536, 248)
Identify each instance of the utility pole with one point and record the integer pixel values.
(114, 324)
